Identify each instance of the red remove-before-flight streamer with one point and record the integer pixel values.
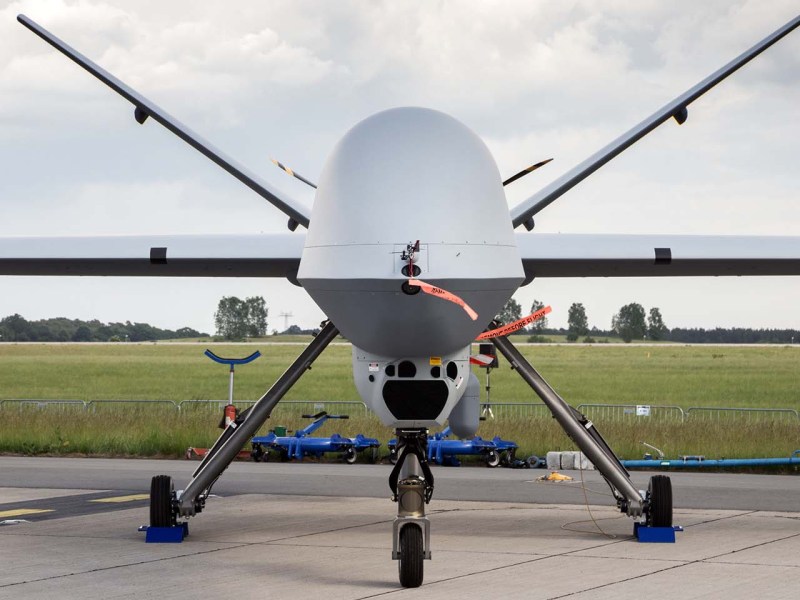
(515, 326)
(444, 295)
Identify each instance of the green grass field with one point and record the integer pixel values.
(671, 375)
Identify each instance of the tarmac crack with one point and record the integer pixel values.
(726, 517)
(493, 569)
(130, 564)
(686, 564)
(590, 589)
(302, 535)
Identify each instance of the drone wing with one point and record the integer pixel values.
(585, 255)
(523, 213)
(144, 108)
(274, 255)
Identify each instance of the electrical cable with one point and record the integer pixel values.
(566, 526)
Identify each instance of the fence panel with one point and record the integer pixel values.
(131, 405)
(42, 404)
(616, 412)
(718, 413)
(514, 410)
(290, 409)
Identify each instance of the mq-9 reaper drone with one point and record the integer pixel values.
(391, 236)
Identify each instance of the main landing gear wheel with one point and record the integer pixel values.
(258, 454)
(659, 491)
(411, 556)
(161, 493)
(350, 456)
(492, 459)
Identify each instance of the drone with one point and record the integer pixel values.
(410, 249)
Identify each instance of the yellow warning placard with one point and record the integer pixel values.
(436, 361)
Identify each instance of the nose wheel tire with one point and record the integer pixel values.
(161, 492)
(411, 556)
(659, 491)
(492, 459)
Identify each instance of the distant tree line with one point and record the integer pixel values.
(237, 319)
(297, 330)
(632, 322)
(16, 328)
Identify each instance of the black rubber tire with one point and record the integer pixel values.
(532, 461)
(393, 456)
(257, 453)
(504, 461)
(412, 557)
(161, 492)
(350, 456)
(660, 494)
(492, 459)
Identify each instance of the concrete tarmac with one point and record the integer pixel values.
(276, 544)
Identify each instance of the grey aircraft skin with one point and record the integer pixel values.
(385, 212)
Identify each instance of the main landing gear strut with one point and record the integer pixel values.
(166, 505)
(653, 507)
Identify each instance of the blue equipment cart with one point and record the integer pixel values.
(300, 444)
(445, 451)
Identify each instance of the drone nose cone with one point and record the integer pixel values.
(404, 175)
(410, 173)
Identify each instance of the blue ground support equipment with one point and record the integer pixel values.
(445, 451)
(165, 535)
(232, 362)
(696, 462)
(300, 444)
(655, 535)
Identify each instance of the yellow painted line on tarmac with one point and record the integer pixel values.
(23, 511)
(130, 498)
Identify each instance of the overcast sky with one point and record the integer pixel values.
(534, 79)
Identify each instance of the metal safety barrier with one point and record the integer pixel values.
(42, 404)
(751, 414)
(92, 405)
(623, 411)
(501, 410)
(506, 410)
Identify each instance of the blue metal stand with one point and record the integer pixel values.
(232, 362)
(655, 535)
(165, 535)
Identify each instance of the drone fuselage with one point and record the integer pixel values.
(404, 175)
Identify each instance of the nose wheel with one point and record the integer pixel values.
(412, 553)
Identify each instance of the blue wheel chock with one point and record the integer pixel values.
(165, 535)
(655, 535)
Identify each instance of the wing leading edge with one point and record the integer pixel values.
(273, 255)
(145, 108)
(523, 213)
(587, 255)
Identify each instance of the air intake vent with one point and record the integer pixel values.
(415, 400)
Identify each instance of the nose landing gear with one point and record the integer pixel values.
(411, 482)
